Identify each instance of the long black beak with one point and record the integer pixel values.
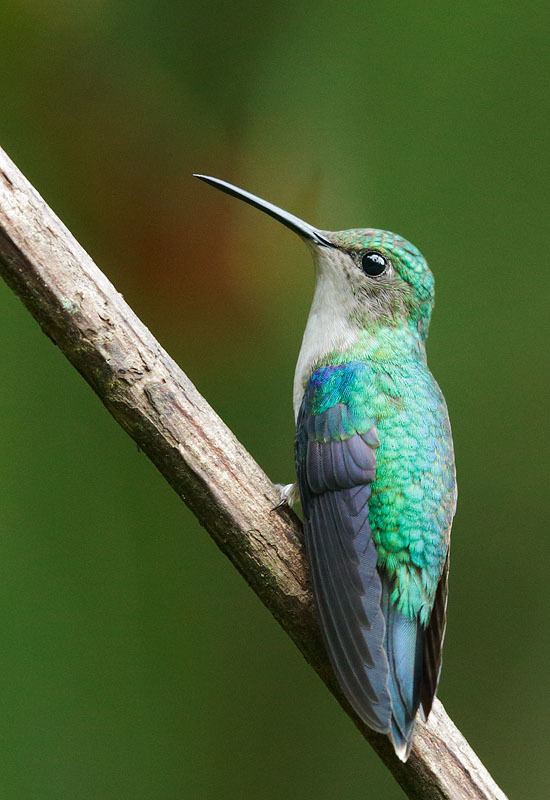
(294, 223)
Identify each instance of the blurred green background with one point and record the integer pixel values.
(135, 662)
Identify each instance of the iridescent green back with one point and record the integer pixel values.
(413, 495)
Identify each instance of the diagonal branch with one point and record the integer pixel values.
(154, 401)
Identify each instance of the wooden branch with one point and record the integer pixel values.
(154, 401)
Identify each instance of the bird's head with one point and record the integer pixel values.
(371, 275)
(387, 276)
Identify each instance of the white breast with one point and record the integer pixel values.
(328, 327)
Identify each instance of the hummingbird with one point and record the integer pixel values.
(375, 470)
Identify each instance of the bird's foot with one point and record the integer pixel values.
(288, 495)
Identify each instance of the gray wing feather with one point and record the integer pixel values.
(334, 477)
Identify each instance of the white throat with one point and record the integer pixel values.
(328, 325)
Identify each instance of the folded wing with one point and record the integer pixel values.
(335, 473)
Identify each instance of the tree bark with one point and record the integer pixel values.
(155, 402)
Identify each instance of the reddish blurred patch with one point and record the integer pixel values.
(177, 240)
(170, 238)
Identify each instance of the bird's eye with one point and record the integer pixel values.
(374, 263)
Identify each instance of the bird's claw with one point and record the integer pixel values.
(288, 495)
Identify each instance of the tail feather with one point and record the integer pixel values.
(404, 644)
(433, 642)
